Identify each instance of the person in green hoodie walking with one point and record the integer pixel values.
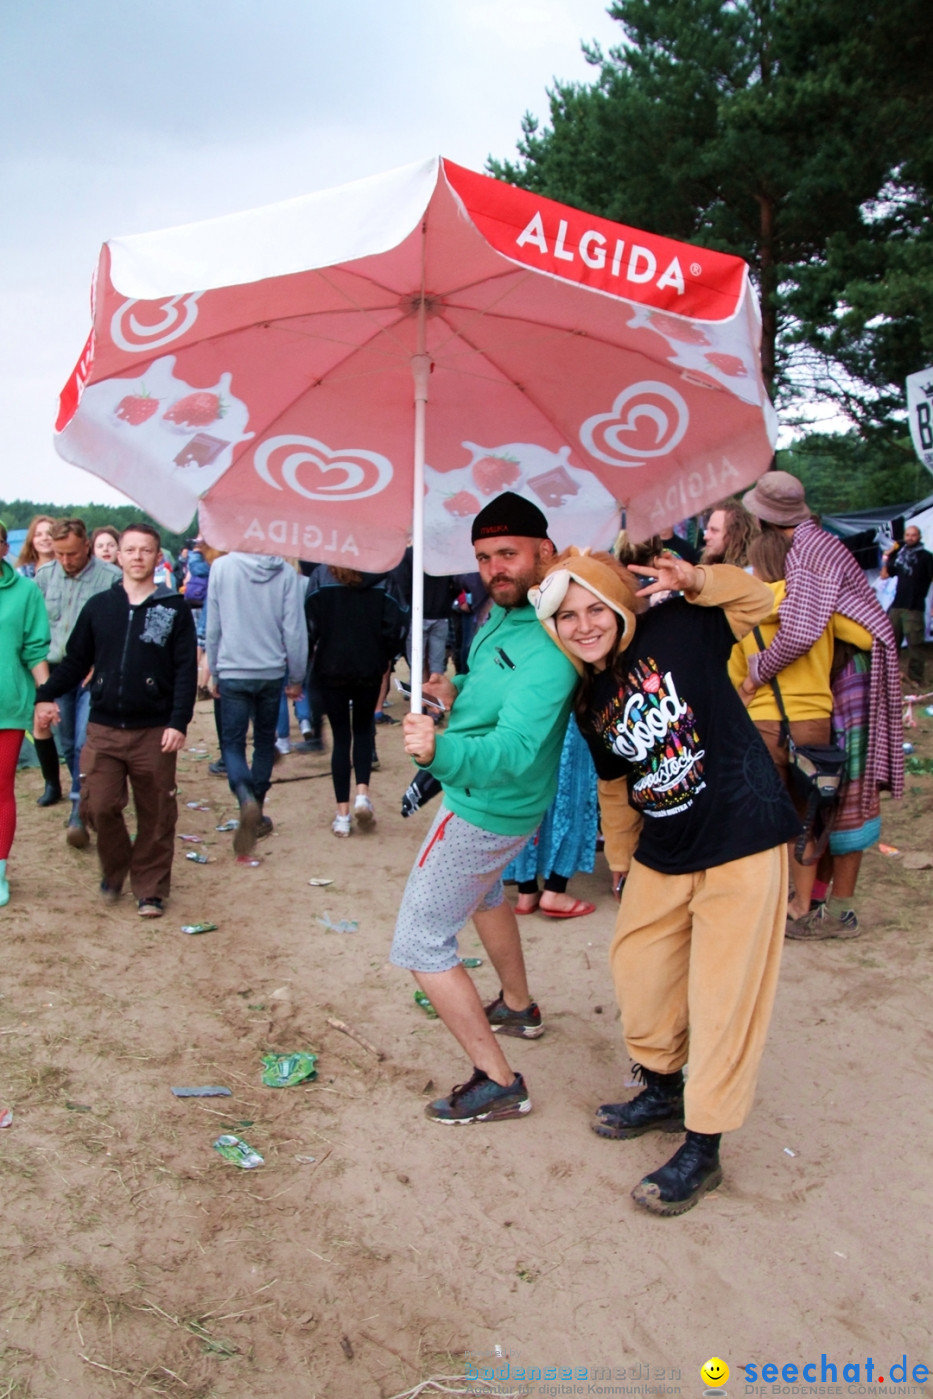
(24, 646)
(497, 762)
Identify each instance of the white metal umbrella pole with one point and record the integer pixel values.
(421, 369)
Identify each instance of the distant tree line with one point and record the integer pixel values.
(847, 471)
(16, 514)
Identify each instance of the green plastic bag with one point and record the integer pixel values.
(284, 1070)
(237, 1152)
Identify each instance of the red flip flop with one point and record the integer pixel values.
(579, 910)
(523, 912)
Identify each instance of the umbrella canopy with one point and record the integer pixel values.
(294, 369)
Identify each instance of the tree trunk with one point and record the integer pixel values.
(768, 292)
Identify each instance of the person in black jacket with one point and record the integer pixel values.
(440, 592)
(356, 625)
(140, 640)
(912, 566)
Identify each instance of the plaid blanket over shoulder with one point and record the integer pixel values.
(823, 578)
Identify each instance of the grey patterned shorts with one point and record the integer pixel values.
(458, 872)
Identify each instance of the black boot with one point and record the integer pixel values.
(47, 754)
(265, 826)
(658, 1107)
(678, 1185)
(247, 832)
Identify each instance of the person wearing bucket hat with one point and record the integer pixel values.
(686, 780)
(823, 578)
(497, 762)
(778, 499)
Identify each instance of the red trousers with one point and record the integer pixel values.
(114, 760)
(10, 743)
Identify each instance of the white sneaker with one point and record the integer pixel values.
(363, 811)
(340, 825)
(283, 746)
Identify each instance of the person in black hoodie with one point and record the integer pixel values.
(440, 591)
(356, 625)
(140, 640)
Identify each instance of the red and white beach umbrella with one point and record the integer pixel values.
(313, 375)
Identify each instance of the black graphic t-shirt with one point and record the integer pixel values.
(913, 567)
(675, 727)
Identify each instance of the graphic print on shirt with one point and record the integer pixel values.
(158, 626)
(656, 733)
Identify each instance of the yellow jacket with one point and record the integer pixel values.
(805, 683)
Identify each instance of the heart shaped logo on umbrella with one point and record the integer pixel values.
(647, 420)
(171, 319)
(311, 469)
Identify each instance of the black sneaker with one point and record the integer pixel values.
(691, 1172)
(265, 827)
(481, 1100)
(659, 1107)
(108, 893)
(523, 1024)
(150, 908)
(218, 769)
(310, 745)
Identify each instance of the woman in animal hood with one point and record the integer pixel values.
(694, 812)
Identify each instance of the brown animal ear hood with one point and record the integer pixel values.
(601, 574)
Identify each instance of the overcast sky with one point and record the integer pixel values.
(118, 117)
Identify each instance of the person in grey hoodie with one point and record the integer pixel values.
(256, 639)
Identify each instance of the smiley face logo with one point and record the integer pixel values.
(714, 1373)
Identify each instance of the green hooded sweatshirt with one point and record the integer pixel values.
(24, 642)
(498, 759)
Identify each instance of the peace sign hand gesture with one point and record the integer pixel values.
(671, 575)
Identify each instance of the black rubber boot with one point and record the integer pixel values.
(659, 1107)
(265, 826)
(247, 832)
(47, 754)
(678, 1185)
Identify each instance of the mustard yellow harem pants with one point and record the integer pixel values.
(695, 959)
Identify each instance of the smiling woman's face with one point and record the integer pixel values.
(587, 627)
(42, 540)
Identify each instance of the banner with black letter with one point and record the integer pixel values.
(920, 412)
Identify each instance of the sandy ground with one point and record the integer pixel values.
(136, 1261)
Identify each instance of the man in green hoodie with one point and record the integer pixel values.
(497, 762)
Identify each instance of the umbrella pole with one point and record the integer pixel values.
(420, 368)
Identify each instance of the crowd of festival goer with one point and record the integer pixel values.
(682, 678)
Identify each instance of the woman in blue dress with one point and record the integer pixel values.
(565, 841)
